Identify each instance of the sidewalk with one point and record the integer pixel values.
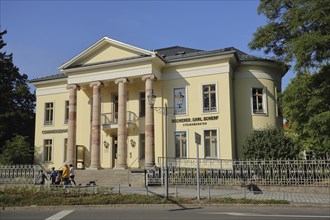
(191, 192)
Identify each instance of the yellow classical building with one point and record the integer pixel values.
(97, 113)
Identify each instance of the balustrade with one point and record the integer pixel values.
(110, 120)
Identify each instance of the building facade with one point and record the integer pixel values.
(96, 113)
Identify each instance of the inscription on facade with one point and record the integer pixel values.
(57, 131)
(195, 121)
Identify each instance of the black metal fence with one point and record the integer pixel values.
(20, 174)
(230, 172)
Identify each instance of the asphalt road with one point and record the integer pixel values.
(167, 212)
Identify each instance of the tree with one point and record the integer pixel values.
(16, 101)
(17, 151)
(299, 31)
(306, 106)
(296, 30)
(269, 144)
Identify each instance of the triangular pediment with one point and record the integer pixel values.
(106, 50)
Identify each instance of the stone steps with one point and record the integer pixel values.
(111, 177)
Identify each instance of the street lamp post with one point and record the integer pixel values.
(179, 100)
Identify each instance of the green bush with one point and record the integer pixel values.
(269, 144)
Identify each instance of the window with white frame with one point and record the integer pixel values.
(180, 144)
(142, 145)
(210, 143)
(209, 98)
(49, 113)
(66, 112)
(259, 100)
(48, 146)
(142, 104)
(65, 149)
(180, 101)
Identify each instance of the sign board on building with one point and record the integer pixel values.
(198, 138)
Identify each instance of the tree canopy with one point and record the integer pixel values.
(17, 151)
(306, 106)
(299, 31)
(16, 100)
(296, 30)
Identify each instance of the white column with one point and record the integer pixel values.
(122, 145)
(149, 123)
(96, 125)
(72, 124)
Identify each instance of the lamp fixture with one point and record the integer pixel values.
(133, 143)
(106, 144)
(178, 99)
(151, 99)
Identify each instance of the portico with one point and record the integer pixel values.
(89, 70)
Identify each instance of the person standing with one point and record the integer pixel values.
(43, 177)
(53, 176)
(66, 174)
(72, 174)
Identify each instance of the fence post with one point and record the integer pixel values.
(197, 141)
(244, 192)
(34, 175)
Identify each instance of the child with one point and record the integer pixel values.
(58, 179)
(53, 176)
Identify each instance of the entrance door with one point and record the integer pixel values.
(114, 150)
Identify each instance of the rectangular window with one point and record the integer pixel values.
(210, 143)
(180, 101)
(49, 113)
(48, 145)
(142, 104)
(209, 98)
(65, 149)
(66, 112)
(180, 144)
(258, 100)
(142, 145)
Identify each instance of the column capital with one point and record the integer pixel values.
(96, 83)
(151, 76)
(73, 86)
(123, 80)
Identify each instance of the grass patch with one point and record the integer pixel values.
(28, 196)
(247, 201)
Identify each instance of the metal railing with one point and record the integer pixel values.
(20, 174)
(110, 120)
(235, 173)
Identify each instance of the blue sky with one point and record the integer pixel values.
(43, 34)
